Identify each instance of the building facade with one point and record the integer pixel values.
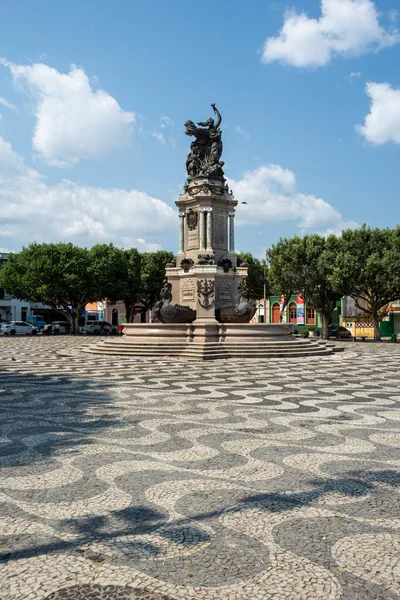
(299, 313)
(360, 325)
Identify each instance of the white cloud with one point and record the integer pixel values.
(345, 28)
(271, 196)
(354, 75)
(34, 210)
(4, 102)
(245, 134)
(166, 122)
(73, 121)
(159, 136)
(382, 124)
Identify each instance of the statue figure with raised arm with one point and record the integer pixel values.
(206, 150)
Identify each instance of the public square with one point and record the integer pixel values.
(166, 479)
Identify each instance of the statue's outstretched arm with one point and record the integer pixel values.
(215, 109)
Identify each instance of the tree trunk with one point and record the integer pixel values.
(325, 323)
(75, 323)
(377, 331)
(129, 312)
(286, 299)
(69, 319)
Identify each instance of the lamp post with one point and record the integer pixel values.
(265, 292)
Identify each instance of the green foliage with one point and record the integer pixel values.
(286, 259)
(308, 265)
(141, 278)
(255, 277)
(106, 266)
(67, 277)
(369, 260)
(55, 274)
(126, 284)
(321, 279)
(153, 274)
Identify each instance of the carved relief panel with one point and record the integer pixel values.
(220, 230)
(225, 292)
(187, 290)
(192, 230)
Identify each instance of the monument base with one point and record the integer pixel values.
(210, 341)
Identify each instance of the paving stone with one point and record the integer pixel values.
(124, 479)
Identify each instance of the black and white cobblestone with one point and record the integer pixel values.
(123, 479)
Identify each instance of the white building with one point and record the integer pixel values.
(13, 309)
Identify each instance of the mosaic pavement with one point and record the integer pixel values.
(235, 480)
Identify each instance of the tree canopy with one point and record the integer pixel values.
(369, 262)
(286, 260)
(321, 280)
(67, 277)
(255, 276)
(55, 274)
(141, 278)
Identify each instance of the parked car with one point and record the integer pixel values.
(100, 328)
(337, 331)
(56, 327)
(18, 327)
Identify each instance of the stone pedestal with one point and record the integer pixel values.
(206, 276)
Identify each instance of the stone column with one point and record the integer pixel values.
(181, 233)
(231, 232)
(209, 230)
(202, 229)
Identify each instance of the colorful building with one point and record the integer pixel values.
(360, 325)
(116, 314)
(299, 313)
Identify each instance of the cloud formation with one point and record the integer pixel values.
(271, 196)
(382, 124)
(73, 121)
(345, 28)
(33, 210)
(4, 102)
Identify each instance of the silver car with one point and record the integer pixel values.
(18, 327)
(100, 328)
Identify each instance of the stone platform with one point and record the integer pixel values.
(210, 341)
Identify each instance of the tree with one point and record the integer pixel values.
(370, 265)
(153, 274)
(321, 279)
(286, 259)
(133, 277)
(130, 282)
(55, 274)
(128, 275)
(257, 270)
(106, 268)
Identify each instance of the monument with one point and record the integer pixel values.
(204, 307)
(205, 285)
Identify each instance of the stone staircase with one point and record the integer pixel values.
(287, 348)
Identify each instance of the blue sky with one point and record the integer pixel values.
(94, 94)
